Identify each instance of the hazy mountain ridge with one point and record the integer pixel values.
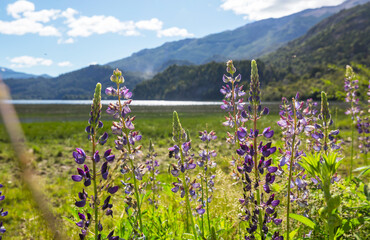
(6, 73)
(249, 41)
(78, 84)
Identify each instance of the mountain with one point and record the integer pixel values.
(78, 84)
(250, 41)
(6, 73)
(339, 39)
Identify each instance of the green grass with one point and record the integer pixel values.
(53, 132)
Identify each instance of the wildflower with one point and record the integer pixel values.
(2, 214)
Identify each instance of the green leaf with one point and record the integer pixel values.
(364, 171)
(69, 220)
(303, 220)
(293, 233)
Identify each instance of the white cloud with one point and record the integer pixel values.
(65, 64)
(43, 15)
(69, 14)
(28, 21)
(28, 61)
(93, 63)
(174, 32)
(18, 7)
(153, 24)
(257, 10)
(23, 26)
(66, 41)
(85, 26)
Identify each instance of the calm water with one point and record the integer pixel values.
(78, 110)
(106, 102)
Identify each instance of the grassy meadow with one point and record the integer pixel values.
(54, 131)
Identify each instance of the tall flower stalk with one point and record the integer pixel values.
(258, 212)
(125, 143)
(351, 86)
(233, 102)
(152, 166)
(207, 183)
(185, 162)
(321, 138)
(363, 128)
(293, 123)
(100, 182)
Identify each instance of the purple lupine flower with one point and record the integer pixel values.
(254, 156)
(79, 155)
(126, 143)
(152, 164)
(363, 128)
(82, 199)
(84, 224)
(111, 237)
(350, 87)
(2, 214)
(206, 186)
(83, 174)
(88, 173)
(233, 101)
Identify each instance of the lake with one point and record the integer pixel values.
(78, 110)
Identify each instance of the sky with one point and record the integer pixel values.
(54, 37)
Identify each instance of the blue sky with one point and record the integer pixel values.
(55, 37)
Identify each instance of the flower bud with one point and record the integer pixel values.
(117, 77)
(230, 67)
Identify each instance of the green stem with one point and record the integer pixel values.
(201, 181)
(290, 169)
(234, 113)
(95, 188)
(153, 185)
(326, 139)
(207, 206)
(260, 223)
(330, 225)
(126, 131)
(206, 179)
(352, 146)
(188, 209)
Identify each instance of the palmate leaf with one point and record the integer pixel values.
(303, 220)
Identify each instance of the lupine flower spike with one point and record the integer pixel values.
(152, 166)
(207, 180)
(233, 102)
(256, 156)
(185, 163)
(125, 144)
(350, 87)
(293, 121)
(101, 185)
(318, 130)
(363, 128)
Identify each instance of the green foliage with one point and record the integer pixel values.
(325, 167)
(303, 220)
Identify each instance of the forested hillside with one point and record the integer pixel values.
(314, 61)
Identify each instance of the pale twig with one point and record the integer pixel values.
(12, 125)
